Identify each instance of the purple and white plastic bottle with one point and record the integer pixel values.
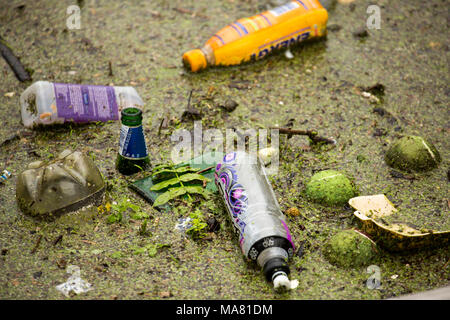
(45, 103)
(254, 210)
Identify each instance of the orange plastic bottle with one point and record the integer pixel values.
(257, 36)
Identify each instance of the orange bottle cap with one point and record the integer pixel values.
(194, 60)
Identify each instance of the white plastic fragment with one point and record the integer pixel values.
(5, 175)
(282, 282)
(267, 154)
(183, 224)
(74, 283)
(288, 54)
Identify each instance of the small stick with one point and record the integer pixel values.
(189, 100)
(187, 11)
(14, 62)
(445, 265)
(313, 135)
(57, 240)
(38, 241)
(160, 126)
(110, 70)
(205, 170)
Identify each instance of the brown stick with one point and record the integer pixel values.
(313, 135)
(38, 241)
(204, 170)
(14, 62)
(187, 11)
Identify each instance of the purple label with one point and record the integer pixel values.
(84, 103)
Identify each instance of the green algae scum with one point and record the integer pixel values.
(126, 249)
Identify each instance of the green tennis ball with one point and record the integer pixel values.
(412, 153)
(349, 249)
(330, 187)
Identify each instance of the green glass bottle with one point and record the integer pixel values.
(132, 156)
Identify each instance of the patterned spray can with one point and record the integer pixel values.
(253, 208)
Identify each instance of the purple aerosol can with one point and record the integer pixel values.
(251, 203)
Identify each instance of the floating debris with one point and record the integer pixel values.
(293, 212)
(45, 103)
(47, 189)
(14, 62)
(245, 189)
(237, 42)
(412, 153)
(361, 33)
(183, 224)
(398, 230)
(267, 154)
(229, 105)
(5, 176)
(350, 248)
(288, 54)
(74, 283)
(330, 187)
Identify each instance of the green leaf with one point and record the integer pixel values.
(139, 250)
(178, 191)
(184, 178)
(152, 250)
(199, 226)
(169, 195)
(199, 190)
(169, 173)
(162, 166)
(139, 215)
(114, 217)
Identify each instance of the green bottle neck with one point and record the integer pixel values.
(131, 117)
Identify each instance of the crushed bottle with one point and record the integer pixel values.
(48, 189)
(45, 103)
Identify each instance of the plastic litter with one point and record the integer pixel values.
(74, 283)
(282, 282)
(251, 203)
(183, 224)
(5, 176)
(255, 37)
(374, 211)
(69, 182)
(45, 103)
(267, 154)
(288, 54)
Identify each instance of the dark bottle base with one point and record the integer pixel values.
(128, 167)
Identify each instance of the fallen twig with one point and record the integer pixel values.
(191, 113)
(192, 13)
(57, 240)
(14, 62)
(110, 70)
(313, 135)
(204, 170)
(38, 242)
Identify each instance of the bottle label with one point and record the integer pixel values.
(278, 11)
(132, 143)
(85, 103)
